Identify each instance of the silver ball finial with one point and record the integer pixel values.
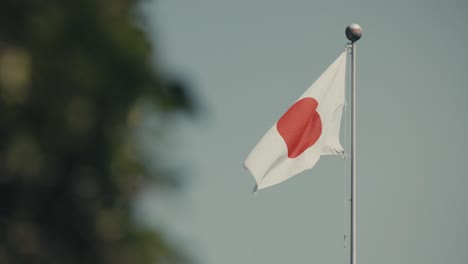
(353, 32)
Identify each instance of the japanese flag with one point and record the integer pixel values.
(309, 128)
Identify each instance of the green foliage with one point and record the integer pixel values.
(71, 75)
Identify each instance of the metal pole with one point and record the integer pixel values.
(353, 33)
(353, 154)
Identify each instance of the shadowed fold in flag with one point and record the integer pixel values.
(309, 128)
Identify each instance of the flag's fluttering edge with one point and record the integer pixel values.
(309, 128)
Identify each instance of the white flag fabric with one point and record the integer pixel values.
(309, 128)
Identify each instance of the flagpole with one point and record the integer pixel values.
(353, 33)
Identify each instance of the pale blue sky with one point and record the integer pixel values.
(249, 60)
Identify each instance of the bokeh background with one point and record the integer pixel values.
(124, 126)
(77, 79)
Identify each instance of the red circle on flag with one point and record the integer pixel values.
(300, 126)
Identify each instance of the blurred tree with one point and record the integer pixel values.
(71, 75)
